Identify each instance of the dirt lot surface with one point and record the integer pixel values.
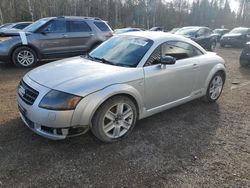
(194, 145)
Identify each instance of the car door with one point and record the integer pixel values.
(202, 37)
(80, 36)
(53, 38)
(169, 83)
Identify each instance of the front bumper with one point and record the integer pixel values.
(232, 42)
(51, 124)
(245, 59)
(5, 48)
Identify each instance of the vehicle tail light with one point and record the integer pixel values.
(110, 34)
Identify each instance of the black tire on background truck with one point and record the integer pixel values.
(244, 63)
(212, 46)
(24, 57)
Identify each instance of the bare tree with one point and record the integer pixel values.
(30, 9)
(137, 13)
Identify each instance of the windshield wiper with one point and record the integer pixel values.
(105, 61)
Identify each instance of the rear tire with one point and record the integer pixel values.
(215, 88)
(24, 57)
(115, 119)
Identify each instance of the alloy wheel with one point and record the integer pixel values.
(118, 120)
(25, 58)
(216, 87)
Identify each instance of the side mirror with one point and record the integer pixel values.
(44, 32)
(168, 60)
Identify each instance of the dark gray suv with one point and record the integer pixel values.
(53, 37)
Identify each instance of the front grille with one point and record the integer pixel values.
(28, 94)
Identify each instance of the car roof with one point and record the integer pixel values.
(75, 17)
(241, 28)
(195, 27)
(221, 29)
(159, 37)
(23, 23)
(128, 28)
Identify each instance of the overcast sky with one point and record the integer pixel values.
(233, 3)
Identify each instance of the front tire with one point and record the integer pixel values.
(24, 57)
(212, 46)
(215, 87)
(115, 119)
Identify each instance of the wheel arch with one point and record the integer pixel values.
(91, 103)
(217, 68)
(21, 45)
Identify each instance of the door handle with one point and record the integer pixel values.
(64, 35)
(195, 66)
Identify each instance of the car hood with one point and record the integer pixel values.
(10, 32)
(232, 35)
(81, 76)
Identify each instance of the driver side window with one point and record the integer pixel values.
(180, 50)
(56, 26)
(201, 32)
(176, 49)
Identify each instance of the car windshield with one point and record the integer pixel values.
(239, 31)
(187, 31)
(9, 26)
(218, 31)
(122, 50)
(34, 26)
(4, 25)
(174, 30)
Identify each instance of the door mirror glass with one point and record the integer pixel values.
(45, 31)
(168, 60)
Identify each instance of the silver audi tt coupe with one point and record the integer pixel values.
(129, 77)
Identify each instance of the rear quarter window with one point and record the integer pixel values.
(102, 26)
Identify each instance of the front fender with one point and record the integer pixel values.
(86, 109)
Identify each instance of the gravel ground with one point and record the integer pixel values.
(194, 145)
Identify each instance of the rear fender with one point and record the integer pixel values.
(214, 70)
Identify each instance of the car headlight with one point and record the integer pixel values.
(57, 100)
(5, 38)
